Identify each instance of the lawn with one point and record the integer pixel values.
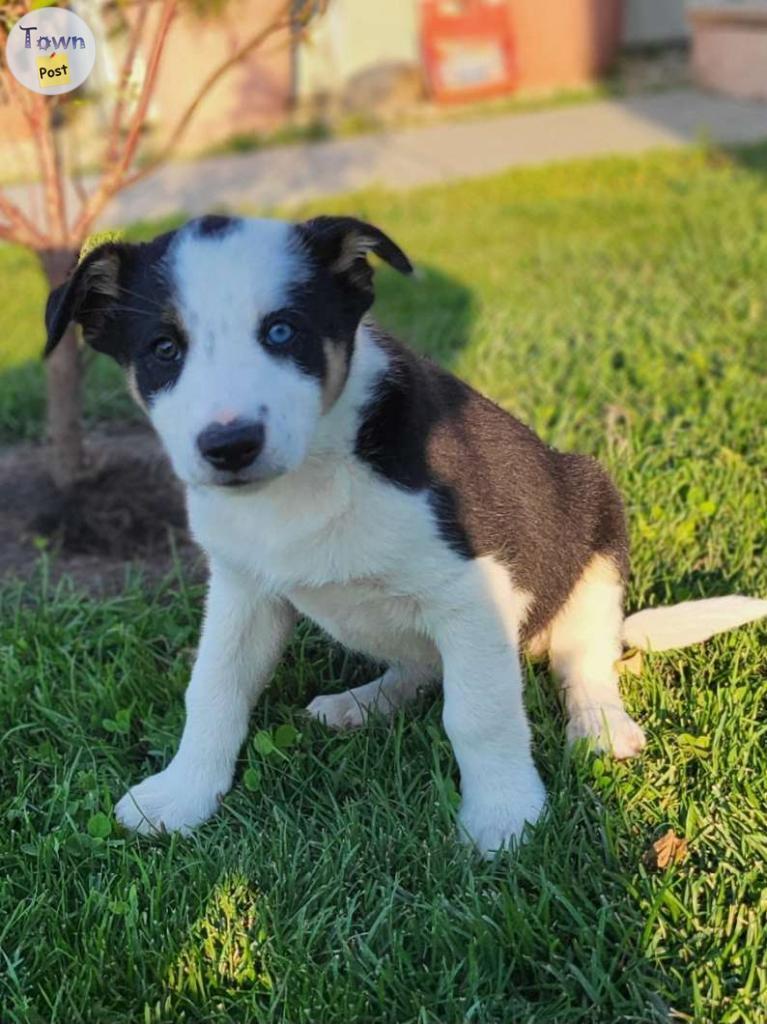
(619, 307)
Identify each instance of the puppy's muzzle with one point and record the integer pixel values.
(231, 447)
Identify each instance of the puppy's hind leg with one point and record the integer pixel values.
(398, 686)
(585, 643)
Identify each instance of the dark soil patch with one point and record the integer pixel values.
(128, 511)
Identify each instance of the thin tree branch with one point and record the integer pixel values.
(112, 180)
(10, 92)
(19, 96)
(286, 21)
(37, 113)
(126, 71)
(115, 176)
(75, 173)
(36, 128)
(24, 231)
(50, 167)
(7, 233)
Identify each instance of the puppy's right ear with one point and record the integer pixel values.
(86, 297)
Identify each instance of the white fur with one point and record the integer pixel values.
(584, 645)
(397, 687)
(243, 637)
(475, 620)
(691, 622)
(226, 373)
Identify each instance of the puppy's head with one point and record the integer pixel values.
(236, 335)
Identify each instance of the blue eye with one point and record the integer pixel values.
(280, 333)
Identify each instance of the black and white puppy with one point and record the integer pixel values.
(332, 473)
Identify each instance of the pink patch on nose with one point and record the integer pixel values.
(225, 416)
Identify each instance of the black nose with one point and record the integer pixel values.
(233, 446)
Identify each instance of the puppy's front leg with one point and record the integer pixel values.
(243, 636)
(476, 627)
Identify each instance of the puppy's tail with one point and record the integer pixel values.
(692, 622)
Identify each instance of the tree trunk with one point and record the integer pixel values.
(64, 386)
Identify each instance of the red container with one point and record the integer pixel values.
(468, 49)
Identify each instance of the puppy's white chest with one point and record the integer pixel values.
(365, 616)
(348, 553)
(322, 527)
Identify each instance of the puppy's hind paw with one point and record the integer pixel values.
(608, 727)
(338, 710)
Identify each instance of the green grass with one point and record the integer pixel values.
(619, 307)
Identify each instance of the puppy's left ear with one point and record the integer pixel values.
(86, 297)
(341, 245)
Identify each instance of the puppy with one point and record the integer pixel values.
(332, 473)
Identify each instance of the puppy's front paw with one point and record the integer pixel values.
(492, 816)
(609, 728)
(167, 802)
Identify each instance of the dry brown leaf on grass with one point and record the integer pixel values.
(669, 849)
(630, 662)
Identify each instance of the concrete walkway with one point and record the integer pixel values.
(436, 153)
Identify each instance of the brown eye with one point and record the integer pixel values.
(166, 350)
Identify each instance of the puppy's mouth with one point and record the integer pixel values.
(237, 482)
(245, 481)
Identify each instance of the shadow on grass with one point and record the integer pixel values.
(432, 312)
(331, 851)
(752, 158)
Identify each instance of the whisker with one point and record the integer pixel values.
(138, 295)
(120, 309)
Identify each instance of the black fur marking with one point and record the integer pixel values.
(493, 486)
(330, 238)
(121, 296)
(214, 225)
(327, 307)
(305, 349)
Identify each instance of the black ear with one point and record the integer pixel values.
(85, 297)
(342, 243)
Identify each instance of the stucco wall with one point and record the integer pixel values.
(729, 52)
(253, 95)
(353, 35)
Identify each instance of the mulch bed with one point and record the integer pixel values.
(127, 511)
